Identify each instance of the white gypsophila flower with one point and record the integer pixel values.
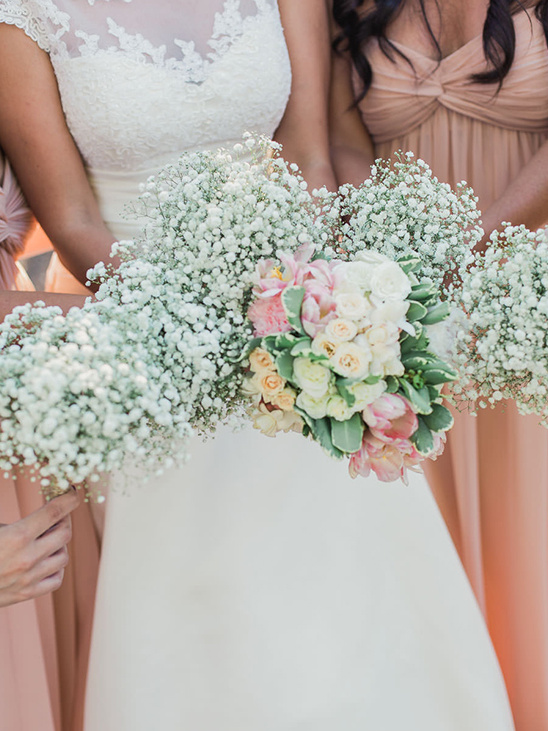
(130, 375)
(403, 209)
(501, 347)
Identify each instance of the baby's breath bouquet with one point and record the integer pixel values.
(132, 374)
(502, 343)
(404, 209)
(164, 349)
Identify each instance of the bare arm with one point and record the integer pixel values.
(525, 201)
(352, 149)
(35, 137)
(9, 300)
(304, 129)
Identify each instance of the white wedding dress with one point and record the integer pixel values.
(258, 588)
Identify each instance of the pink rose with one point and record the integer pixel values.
(268, 316)
(391, 418)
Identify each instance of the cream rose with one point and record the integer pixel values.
(351, 306)
(269, 383)
(316, 408)
(390, 311)
(338, 409)
(389, 282)
(351, 361)
(341, 330)
(366, 393)
(385, 334)
(312, 377)
(285, 400)
(324, 344)
(272, 422)
(261, 360)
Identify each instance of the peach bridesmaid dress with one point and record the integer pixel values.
(44, 643)
(494, 474)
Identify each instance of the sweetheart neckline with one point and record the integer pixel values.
(454, 53)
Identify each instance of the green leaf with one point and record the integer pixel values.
(292, 300)
(416, 311)
(301, 347)
(342, 387)
(441, 419)
(284, 365)
(423, 291)
(419, 398)
(409, 263)
(439, 373)
(285, 340)
(436, 314)
(249, 348)
(423, 439)
(320, 431)
(392, 384)
(347, 435)
(417, 360)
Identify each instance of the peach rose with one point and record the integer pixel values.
(261, 360)
(270, 384)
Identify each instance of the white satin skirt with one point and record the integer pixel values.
(261, 589)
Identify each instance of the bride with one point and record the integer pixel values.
(258, 588)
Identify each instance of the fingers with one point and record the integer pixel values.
(53, 539)
(53, 512)
(51, 566)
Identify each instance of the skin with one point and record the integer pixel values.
(525, 201)
(33, 551)
(304, 131)
(36, 140)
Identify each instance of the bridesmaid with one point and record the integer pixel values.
(464, 84)
(33, 549)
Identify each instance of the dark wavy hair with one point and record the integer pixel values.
(499, 37)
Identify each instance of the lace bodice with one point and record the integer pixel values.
(143, 80)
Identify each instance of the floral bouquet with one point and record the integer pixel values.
(341, 353)
(234, 252)
(131, 375)
(402, 208)
(501, 344)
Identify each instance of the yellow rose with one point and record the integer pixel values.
(261, 360)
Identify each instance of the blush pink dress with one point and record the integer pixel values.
(495, 469)
(44, 643)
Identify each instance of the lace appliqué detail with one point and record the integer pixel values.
(229, 26)
(41, 20)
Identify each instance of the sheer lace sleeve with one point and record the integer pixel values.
(41, 20)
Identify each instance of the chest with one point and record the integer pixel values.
(134, 93)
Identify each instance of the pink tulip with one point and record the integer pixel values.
(268, 316)
(391, 418)
(386, 460)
